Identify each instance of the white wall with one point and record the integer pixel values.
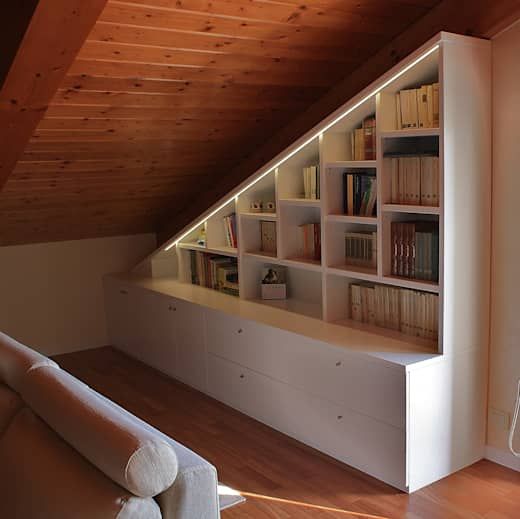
(505, 292)
(51, 295)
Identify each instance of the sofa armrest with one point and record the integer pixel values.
(194, 493)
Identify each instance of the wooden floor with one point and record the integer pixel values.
(280, 477)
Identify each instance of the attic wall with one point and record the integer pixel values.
(52, 293)
(505, 325)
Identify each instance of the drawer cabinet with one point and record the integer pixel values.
(345, 404)
(161, 331)
(356, 439)
(362, 384)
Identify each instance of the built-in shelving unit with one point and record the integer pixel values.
(413, 397)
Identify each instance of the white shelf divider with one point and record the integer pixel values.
(344, 164)
(224, 251)
(411, 209)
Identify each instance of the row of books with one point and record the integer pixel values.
(268, 236)
(418, 107)
(217, 272)
(310, 241)
(311, 182)
(408, 311)
(415, 250)
(414, 179)
(363, 140)
(360, 192)
(230, 230)
(361, 249)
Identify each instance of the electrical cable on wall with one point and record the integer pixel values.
(513, 423)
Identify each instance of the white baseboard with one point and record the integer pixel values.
(501, 457)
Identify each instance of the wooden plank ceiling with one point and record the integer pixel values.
(166, 96)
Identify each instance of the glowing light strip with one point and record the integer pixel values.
(305, 143)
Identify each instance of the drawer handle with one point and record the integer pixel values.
(172, 308)
(242, 376)
(240, 330)
(340, 417)
(124, 292)
(338, 364)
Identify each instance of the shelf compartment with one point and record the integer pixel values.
(263, 191)
(308, 202)
(259, 216)
(290, 184)
(344, 218)
(351, 164)
(223, 251)
(216, 230)
(411, 209)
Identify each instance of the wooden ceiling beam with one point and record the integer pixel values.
(472, 17)
(57, 31)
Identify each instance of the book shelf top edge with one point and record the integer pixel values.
(361, 164)
(344, 218)
(259, 216)
(301, 201)
(411, 209)
(399, 352)
(223, 251)
(410, 132)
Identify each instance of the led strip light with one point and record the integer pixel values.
(301, 146)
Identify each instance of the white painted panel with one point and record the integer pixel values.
(447, 417)
(190, 339)
(157, 347)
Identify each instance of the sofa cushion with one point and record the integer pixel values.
(16, 359)
(137, 459)
(43, 477)
(10, 403)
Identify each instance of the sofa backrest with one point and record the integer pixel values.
(16, 360)
(130, 455)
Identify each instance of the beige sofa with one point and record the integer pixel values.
(66, 452)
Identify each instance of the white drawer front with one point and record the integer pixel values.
(360, 441)
(367, 386)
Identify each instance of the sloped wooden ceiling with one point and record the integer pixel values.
(166, 98)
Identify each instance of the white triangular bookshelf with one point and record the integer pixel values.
(441, 384)
(326, 283)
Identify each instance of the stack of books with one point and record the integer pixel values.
(360, 192)
(361, 249)
(216, 272)
(230, 230)
(311, 182)
(363, 140)
(414, 179)
(418, 107)
(415, 250)
(408, 311)
(268, 237)
(310, 241)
